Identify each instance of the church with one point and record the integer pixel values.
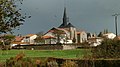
(66, 33)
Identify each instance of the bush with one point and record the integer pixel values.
(51, 62)
(19, 61)
(108, 49)
(69, 63)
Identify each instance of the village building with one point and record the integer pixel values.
(109, 35)
(30, 38)
(95, 41)
(24, 40)
(81, 37)
(65, 33)
(17, 41)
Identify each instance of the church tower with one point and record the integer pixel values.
(65, 19)
(68, 26)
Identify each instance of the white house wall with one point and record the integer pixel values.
(83, 37)
(50, 41)
(26, 40)
(32, 41)
(49, 34)
(110, 35)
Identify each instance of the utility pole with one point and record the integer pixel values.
(116, 27)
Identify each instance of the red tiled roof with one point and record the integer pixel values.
(57, 29)
(19, 43)
(48, 37)
(18, 38)
(79, 32)
(51, 31)
(29, 35)
(117, 38)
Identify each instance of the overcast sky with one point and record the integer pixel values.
(90, 15)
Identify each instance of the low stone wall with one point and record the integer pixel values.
(48, 47)
(67, 47)
(40, 47)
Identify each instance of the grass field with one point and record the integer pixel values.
(78, 53)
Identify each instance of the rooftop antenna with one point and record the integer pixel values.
(116, 26)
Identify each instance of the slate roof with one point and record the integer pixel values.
(69, 25)
(65, 23)
(61, 26)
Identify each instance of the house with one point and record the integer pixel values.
(18, 41)
(66, 33)
(24, 40)
(90, 35)
(109, 35)
(49, 39)
(57, 34)
(82, 37)
(95, 41)
(117, 38)
(30, 38)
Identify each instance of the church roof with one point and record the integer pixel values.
(69, 25)
(65, 23)
(63, 31)
(61, 26)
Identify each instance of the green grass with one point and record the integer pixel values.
(77, 53)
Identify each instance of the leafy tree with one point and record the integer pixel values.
(10, 16)
(8, 38)
(39, 38)
(1, 43)
(74, 40)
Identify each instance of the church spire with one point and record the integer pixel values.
(65, 19)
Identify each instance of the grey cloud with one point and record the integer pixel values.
(91, 15)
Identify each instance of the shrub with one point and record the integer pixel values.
(108, 49)
(20, 61)
(51, 62)
(69, 63)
